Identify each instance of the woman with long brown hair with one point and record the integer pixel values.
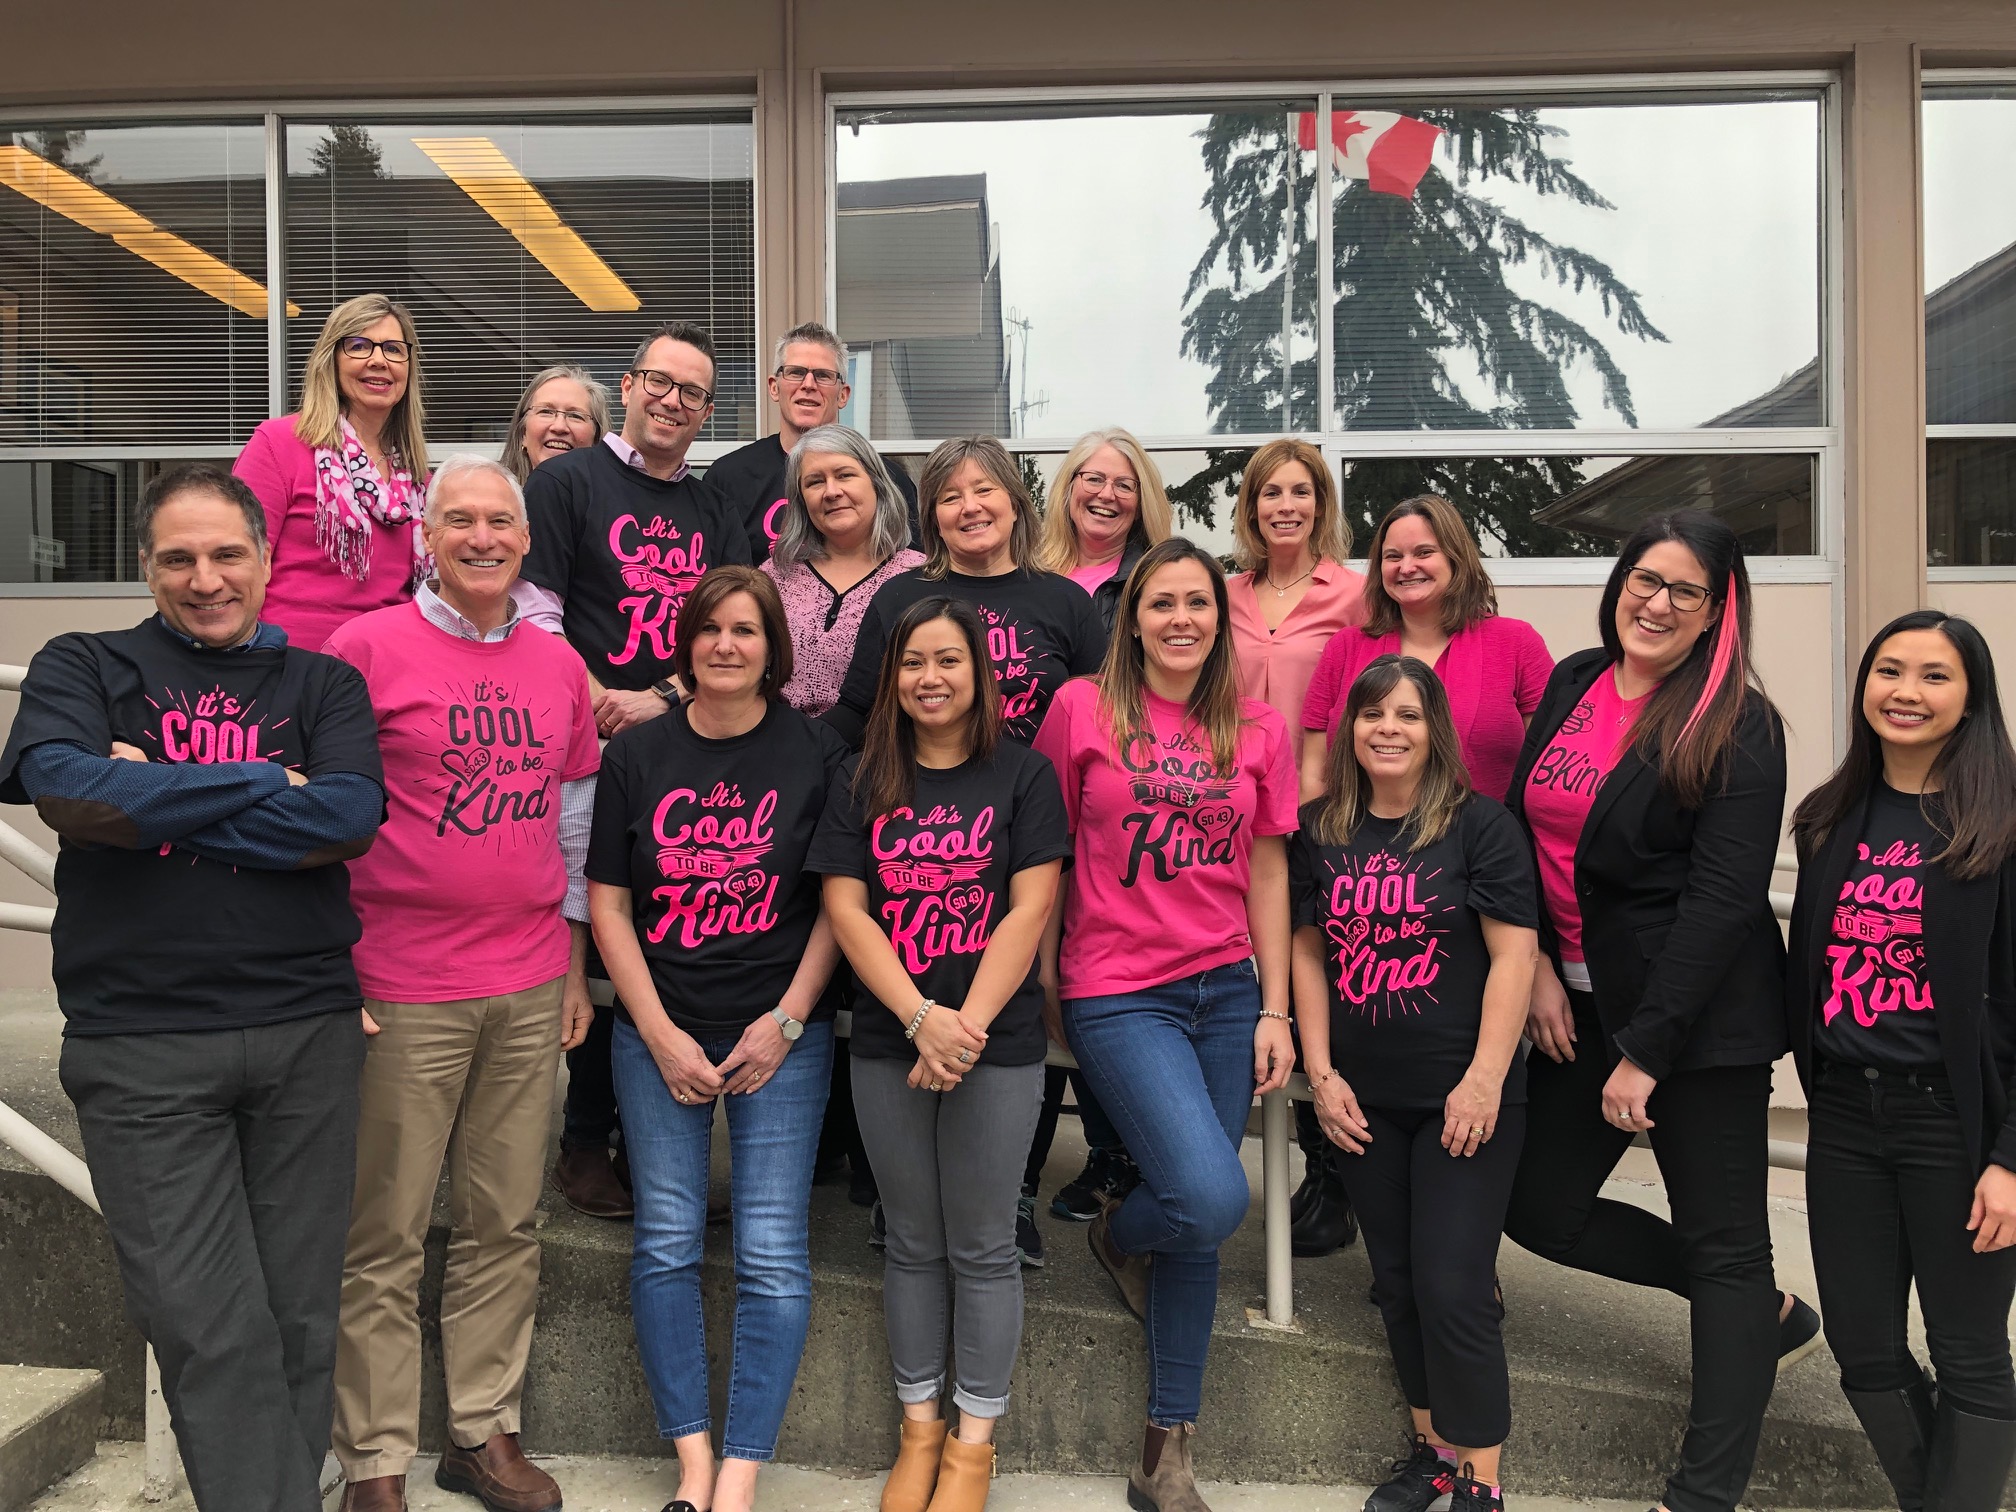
(1171, 974)
(941, 849)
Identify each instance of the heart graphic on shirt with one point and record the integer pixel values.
(1907, 956)
(745, 885)
(1214, 817)
(465, 765)
(1349, 933)
(966, 900)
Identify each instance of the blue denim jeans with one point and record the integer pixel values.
(1173, 1066)
(773, 1134)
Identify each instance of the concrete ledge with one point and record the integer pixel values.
(48, 1427)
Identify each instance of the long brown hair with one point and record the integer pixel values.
(708, 595)
(318, 424)
(1445, 782)
(992, 458)
(1329, 533)
(1123, 680)
(1688, 725)
(1470, 596)
(887, 772)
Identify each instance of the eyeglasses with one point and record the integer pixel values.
(821, 377)
(1686, 597)
(360, 349)
(658, 385)
(1123, 488)
(546, 416)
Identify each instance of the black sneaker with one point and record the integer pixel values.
(1473, 1496)
(1107, 1173)
(1420, 1478)
(1798, 1334)
(1028, 1237)
(878, 1227)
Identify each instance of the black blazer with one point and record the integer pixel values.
(1970, 956)
(1684, 954)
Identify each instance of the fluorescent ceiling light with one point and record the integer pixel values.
(92, 208)
(480, 170)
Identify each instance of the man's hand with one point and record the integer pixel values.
(370, 1024)
(577, 1012)
(124, 752)
(617, 710)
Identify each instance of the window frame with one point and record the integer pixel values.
(1822, 442)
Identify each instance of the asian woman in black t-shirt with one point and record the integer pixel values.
(1415, 942)
(941, 849)
(1901, 1004)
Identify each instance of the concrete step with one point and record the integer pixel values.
(48, 1427)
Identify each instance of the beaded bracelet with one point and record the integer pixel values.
(1270, 1013)
(917, 1020)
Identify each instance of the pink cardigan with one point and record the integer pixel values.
(309, 597)
(1494, 670)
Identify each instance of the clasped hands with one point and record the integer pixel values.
(948, 1046)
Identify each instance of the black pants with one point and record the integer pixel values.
(1431, 1222)
(224, 1163)
(1888, 1189)
(1099, 1131)
(588, 1118)
(1710, 1136)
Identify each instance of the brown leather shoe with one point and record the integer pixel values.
(915, 1473)
(381, 1493)
(1129, 1272)
(499, 1475)
(588, 1181)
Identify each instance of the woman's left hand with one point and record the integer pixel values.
(1470, 1112)
(1273, 1056)
(756, 1056)
(1625, 1096)
(1993, 1219)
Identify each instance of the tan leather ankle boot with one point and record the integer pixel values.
(910, 1483)
(1163, 1481)
(963, 1477)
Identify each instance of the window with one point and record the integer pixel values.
(1970, 327)
(1636, 273)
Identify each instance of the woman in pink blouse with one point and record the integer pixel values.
(344, 481)
(1429, 597)
(1295, 593)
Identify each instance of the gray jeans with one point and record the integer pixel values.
(949, 1166)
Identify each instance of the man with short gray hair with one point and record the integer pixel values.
(808, 384)
(473, 981)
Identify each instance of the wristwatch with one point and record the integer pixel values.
(664, 689)
(790, 1026)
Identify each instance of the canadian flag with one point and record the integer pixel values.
(1389, 152)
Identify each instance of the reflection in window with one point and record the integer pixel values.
(1970, 258)
(518, 244)
(1025, 274)
(1970, 503)
(132, 285)
(70, 522)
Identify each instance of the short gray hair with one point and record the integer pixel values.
(464, 465)
(811, 331)
(798, 539)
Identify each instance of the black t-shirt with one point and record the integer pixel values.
(751, 480)
(1875, 1003)
(938, 870)
(1403, 950)
(147, 941)
(710, 837)
(1042, 631)
(623, 549)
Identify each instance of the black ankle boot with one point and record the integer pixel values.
(1327, 1224)
(1315, 1160)
(1969, 1463)
(1899, 1425)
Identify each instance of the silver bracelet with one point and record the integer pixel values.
(917, 1020)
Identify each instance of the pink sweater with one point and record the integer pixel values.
(309, 597)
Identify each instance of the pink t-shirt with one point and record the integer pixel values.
(1562, 788)
(1494, 671)
(309, 595)
(1093, 574)
(460, 894)
(1163, 841)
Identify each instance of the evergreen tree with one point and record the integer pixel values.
(64, 149)
(1422, 295)
(348, 152)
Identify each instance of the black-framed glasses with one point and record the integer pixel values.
(1686, 597)
(658, 385)
(1123, 488)
(824, 378)
(360, 348)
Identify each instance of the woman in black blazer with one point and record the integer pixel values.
(1901, 1004)
(1653, 784)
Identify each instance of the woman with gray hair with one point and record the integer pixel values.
(563, 407)
(843, 536)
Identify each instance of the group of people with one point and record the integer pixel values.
(584, 751)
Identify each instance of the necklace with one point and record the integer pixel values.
(1281, 590)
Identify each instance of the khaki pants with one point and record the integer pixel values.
(474, 1080)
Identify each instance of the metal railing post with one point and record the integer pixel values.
(163, 1476)
(1274, 1201)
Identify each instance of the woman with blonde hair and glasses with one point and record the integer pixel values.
(563, 407)
(1106, 506)
(344, 480)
